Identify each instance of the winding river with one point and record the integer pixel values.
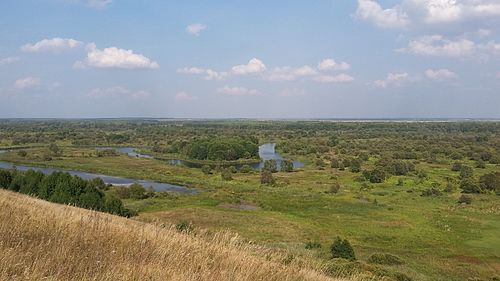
(266, 152)
(157, 186)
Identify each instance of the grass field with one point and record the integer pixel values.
(437, 238)
(46, 241)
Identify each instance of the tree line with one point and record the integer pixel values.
(61, 187)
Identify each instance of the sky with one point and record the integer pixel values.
(250, 59)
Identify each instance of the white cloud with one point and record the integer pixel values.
(191, 70)
(195, 28)
(115, 58)
(183, 96)
(437, 45)
(331, 64)
(341, 78)
(209, 74)
(8, 60)
(26, 83)
(371, 11)
(431, 14)
(287, 73)
(214, 75)
(252, 67)
(450, 11)
(117, 92)
(52, 45)
(237, 91)
(491, 47)
(394, 79)
(440, 74)
(281, 73)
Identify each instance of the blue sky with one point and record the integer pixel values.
(253, 59)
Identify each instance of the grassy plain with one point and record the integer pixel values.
(437, 238)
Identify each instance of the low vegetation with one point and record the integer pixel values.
(421, 193)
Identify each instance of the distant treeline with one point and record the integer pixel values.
(60, 187)
(223, 148)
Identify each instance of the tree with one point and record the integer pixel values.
(245, 169)
(491, 181)
(342, 249)
(22, 153)
(63, 191)
(480, 164)
(266, 177)
(136, 191)
(92, 198)
(271, 166)
(470, 186)
(375, 176)
(5, 178)
(55, 150)
(355, 166)
(456, 167)
(335, 187)
(334, 163)
(17, 182)
(465, 199)
(341, 166)
(226, 175)
(31, 182)
(286, 166)
(114, 205)
(206, 169)
(466, 172)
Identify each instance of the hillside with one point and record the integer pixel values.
(42, 240)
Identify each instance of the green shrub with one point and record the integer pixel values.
(465, 199)
(266, 177)
(334, 188)
(271, 166)
(433, 191)
(470, 186)
(245, 169)
(313, 245)
(385, 259)
(226, 175)
(206, 169)
(287, 166)
(342, 249)
(184, 226)
(137, 191)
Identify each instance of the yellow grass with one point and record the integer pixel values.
(44, 241)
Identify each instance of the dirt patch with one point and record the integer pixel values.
(467, 259)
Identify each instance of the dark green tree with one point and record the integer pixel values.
(270, 166)
(342, 249)
(266, 177)
(286, 166)
(136, 191)
(5, 178)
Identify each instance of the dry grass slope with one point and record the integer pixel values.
(44, 241)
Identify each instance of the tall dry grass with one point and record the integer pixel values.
(45, 241)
